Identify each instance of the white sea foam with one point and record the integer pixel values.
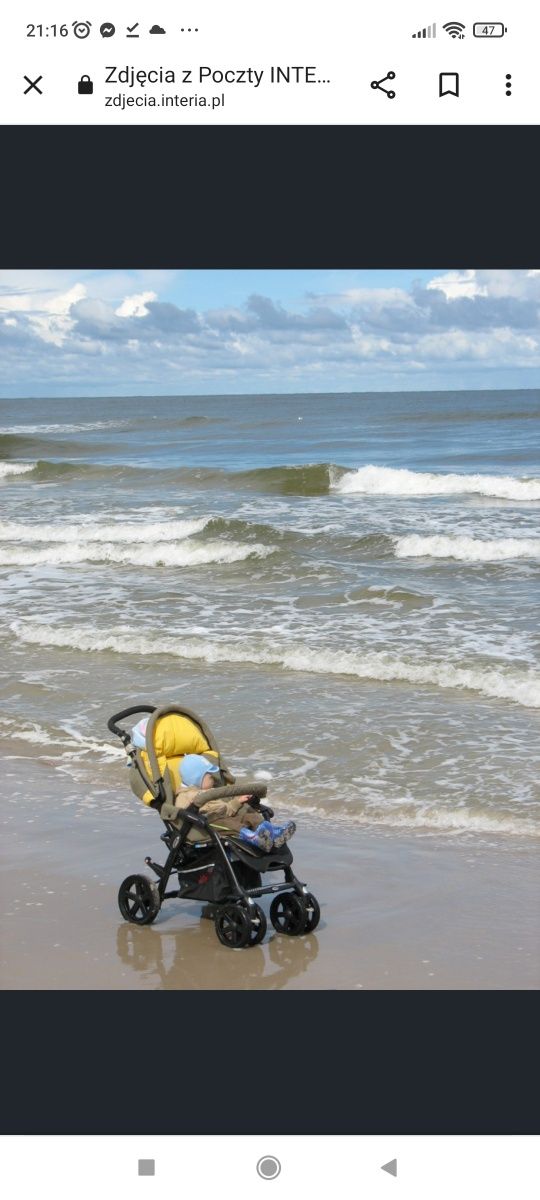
(463, 820)
(467, 549)
(134, 532)
(520, 686)
(429, 818)
(62, 428)
(74, 752)
(418, 816)
(390, 481)
(161, 554)
(13, 468)
(75, 743)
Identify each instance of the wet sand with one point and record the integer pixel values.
(397, 911)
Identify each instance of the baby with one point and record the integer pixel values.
(235, 815)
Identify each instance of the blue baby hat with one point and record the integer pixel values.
(193, 769)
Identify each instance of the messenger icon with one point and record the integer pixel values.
(449, 83)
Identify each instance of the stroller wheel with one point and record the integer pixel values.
(233, 926)
(138, 900)
(313, 913)
(288, 914)
(258, 925)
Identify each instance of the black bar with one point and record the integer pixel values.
(335, 197)
(381, 1062)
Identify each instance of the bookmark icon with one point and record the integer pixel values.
(449, 83)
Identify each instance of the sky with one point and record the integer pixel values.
(114, 333)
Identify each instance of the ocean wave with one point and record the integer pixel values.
(85, 427)
(320, 479)
(389, 481)
(520, 687)
(303, 479)
(125, 529)
(394, 595)
(422, 816)
(49, 471)
(45, 470)
(133, 532)
(35, 445)
(13, 468)
(194, 419)
(447, 417)
(466, 549)
(310, 479)
(265, 532)
(161, 554)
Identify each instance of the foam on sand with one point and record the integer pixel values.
(520, 686)
(390, 481)
(71, 741)
(466, 549)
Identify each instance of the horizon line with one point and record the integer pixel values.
(233, 395)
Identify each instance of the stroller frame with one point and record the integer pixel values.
(239, 920)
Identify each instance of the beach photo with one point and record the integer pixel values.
(269, 572)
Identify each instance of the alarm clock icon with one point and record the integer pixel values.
(81, 29)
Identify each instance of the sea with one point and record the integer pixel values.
(345, 587)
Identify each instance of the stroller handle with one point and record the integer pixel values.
(121, 716)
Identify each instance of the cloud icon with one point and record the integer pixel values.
(157, 29)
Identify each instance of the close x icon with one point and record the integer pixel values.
(33, 85)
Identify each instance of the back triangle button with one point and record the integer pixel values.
(390, 1167)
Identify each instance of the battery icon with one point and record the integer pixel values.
(489, 29)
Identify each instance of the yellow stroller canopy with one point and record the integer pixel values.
(172, 732)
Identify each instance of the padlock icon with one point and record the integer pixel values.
(85, 86)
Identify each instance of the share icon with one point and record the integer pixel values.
(377, 84)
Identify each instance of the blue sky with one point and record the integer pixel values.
(211, 289)
(195, 332)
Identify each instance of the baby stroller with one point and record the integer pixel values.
(219, 869)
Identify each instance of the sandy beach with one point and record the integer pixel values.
(398, 911)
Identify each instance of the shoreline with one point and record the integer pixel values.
(399, 911)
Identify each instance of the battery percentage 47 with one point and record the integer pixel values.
(489, 29)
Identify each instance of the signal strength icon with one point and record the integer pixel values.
(455, 29)
(430, 31)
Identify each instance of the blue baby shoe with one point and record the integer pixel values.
(262, 836)
(282, 833)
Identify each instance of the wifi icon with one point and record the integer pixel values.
(455, 29)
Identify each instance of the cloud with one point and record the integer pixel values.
(471, 325)
(142, 317)
(523, 285)
(48, 315)
(456, 283)
(136, 305)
